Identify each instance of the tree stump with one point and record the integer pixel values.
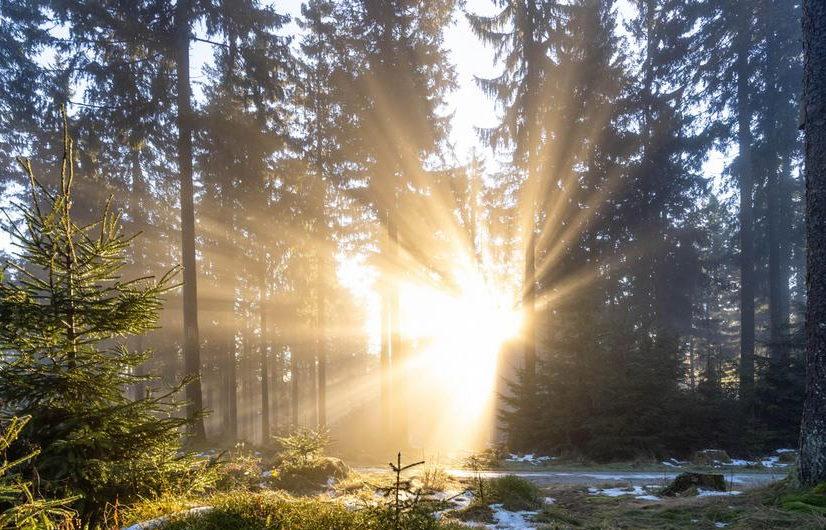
(686, 481)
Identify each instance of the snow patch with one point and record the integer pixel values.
(506, 520)
(712, 493)
(772, 461)
(673, 462)
(642, 493)
(529, 458)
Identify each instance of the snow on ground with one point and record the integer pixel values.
(642, 493)
(506, 520)
(529, 458)
(159, 522)
(712, 493)
(772, 461)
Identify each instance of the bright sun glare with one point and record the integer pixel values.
(456, 337)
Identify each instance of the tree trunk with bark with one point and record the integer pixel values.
(192, 353)
(746, 181)
(812, 463)
(323, 344)
(264, 363)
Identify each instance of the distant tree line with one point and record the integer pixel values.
(667, 305)
(663, 307)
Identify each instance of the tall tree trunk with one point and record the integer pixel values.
(230, 388)
(776, 217)
(192, 347)
(138, 218)
(397, 354)
(321, 324)
(312, 388)
(295, 371)
(226, 346)
(746, 178)
(529, 309)
(264, 364)
(813, 429)
(384, 355)
(527, 21)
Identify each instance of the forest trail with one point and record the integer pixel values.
(739, 480)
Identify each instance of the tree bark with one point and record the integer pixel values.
(230, 388)
(264, 364)
(746, 178)
(384, 355)
(397, 354)
(192, 347)
(322, 340)
(531, 139)
(777, 204)
(138, 218)
(294, 380)
(812, 465)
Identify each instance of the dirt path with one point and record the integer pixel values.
(737, 479)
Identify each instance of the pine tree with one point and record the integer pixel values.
(725, 63)
(22, 510)
(66, 313)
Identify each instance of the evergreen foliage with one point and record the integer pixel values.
(21, 510)
(67, 311)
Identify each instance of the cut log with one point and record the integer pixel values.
(687, 481)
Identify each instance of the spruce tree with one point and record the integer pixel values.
(66, 315)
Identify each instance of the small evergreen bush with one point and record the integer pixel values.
(66, 315)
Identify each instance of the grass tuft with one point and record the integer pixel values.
(513, 493)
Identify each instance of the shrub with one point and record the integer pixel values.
(302, 446)
(434, 479)
(513, 493)
(241, 470)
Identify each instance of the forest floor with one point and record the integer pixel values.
(474, 500)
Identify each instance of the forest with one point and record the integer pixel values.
(561, 262)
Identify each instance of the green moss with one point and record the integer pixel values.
(812, 501)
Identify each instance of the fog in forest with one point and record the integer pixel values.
(553, 233)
